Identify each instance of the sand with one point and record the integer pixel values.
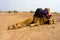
(41, 32)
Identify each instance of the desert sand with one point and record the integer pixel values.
(41, 32)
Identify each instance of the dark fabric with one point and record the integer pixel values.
(45, 12)
(38, 13)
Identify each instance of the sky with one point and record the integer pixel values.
(27, 5)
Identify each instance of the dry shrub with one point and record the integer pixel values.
(9, 11)
(0, 11)
(15, 11)
(31, 11)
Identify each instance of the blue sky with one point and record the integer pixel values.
(27, 5)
